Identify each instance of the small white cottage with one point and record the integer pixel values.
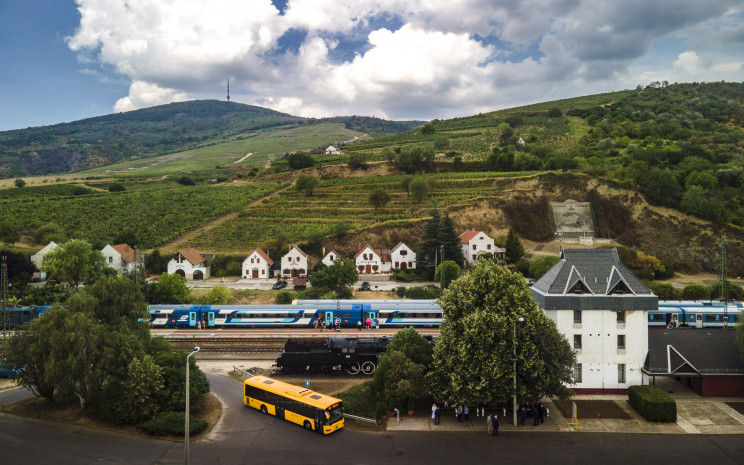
(475, 243)
(190, 264)
(257, 265)
(372, 261)
(38, 258)
(121, 257)
(294, 264)
(402, 257)
(330, 258)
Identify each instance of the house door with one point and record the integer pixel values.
(198, 274)
(255, 274)
(295, 273)
(181, 273)
(403, 266)
(368, 269)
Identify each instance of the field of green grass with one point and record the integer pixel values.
(264, 147)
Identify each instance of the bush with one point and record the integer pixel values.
(652, 403)
(418, 292)
(409, 276)
(116, 187)
(284, 298)
(172, 423)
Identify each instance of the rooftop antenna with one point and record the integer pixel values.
(228, 90)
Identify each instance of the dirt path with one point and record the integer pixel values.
(179, 242)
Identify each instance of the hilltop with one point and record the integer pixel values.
(150, 132)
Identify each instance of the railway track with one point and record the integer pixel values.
(229, 344)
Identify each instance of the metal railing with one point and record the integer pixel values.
(358, 419)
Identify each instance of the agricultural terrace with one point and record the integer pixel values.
(340, 204)
(157, 215)
(264, 146)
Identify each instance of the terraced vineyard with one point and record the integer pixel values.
(167, 213)
(338, 204)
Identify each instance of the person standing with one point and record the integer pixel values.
(377, 323)
(535, 416)
(359, 325)
(369, 323)
(541, 411)
(489, 422)
(458, 412)
(522, 415)
(466, 411)
(433, 409)
(495, 424)
(437, 415)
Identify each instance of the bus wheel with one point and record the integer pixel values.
(263, 410)
(308, 425)
(368, 368)
(353, 369)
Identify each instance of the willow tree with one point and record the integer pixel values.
(474, 354)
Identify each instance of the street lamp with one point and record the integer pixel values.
(514, 406)
(186, 432)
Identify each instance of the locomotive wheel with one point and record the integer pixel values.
(368, 368)
(353, 369)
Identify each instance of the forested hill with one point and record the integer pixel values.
(148, 132)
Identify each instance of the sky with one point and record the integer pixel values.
(64, 60)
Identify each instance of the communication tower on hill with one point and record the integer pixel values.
(228, 90)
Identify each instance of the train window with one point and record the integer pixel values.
(710, 318)
(346, 315)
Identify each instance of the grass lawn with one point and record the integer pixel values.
(592, 409)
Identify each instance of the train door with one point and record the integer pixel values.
(192, 318)
(210, 319)
(699, 320)
(369, 314)
(329, 321)
(675, 320)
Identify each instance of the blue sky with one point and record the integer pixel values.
(396, 59)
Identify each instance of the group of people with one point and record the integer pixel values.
(320, 324)
(538, 413)
(367, 324)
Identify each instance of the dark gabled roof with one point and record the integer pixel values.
(599, 269)
(693, 351)
(586, 279)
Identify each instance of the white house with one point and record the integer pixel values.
(330, 257)
(257, 265)
(402, 257)
(38, 258)
(602, 309)
(332, 150)
(294, 264)
(121, 257)
(372, 261)
(475, 243)
(190, 264)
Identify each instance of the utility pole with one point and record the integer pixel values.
(724, 283)
(228, 89)
(441, 272)
(4, 297)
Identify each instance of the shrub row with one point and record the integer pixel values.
(652, 403)
(172, 423)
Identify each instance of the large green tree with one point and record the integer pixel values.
(340, 274)
(306, 184)
(449, 242)
(427, 255)
(740, 334)
(400, 374)
(474, 354)
(447, 272)
(171, 289)
(513, 246)
(74, 262)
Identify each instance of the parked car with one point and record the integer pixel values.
(279, 285)
(365, 286)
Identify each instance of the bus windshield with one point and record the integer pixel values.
(334, 414)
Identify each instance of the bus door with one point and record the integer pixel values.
(192, 318)
(210, 318)
(699, 320)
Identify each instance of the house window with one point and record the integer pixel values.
(577, 317)
(621, 341)
(474, 257)
(403, 253)
(474, 246)
(577, 341)
(488, 247)
(621, 317)
(621, 373)
(577, 373)
(397, 265)
(111, 259)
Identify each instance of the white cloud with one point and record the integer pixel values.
(355, 58)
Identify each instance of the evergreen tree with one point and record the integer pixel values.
(514, 248)
(448, 238)
(428, 247)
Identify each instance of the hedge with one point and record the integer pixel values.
(172, 423)
(653, 403)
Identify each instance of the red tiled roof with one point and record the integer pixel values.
(263, 254)
(126, 252)
(383, 256)
(467, 235)
(192, 256)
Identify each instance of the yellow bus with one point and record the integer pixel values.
(315, 411)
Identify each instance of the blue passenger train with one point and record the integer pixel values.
(304, 313)
(695, 313)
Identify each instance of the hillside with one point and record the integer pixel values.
(165, 129)
(663, 167)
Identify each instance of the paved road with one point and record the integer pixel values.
(248, 437)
